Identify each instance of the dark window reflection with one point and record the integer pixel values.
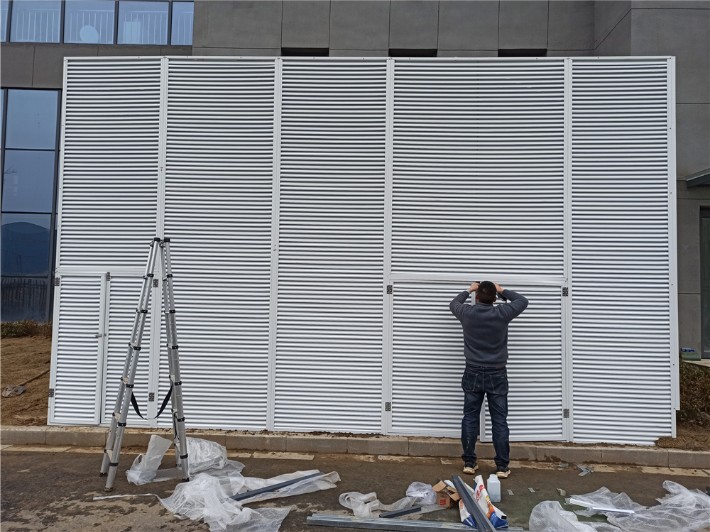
(25, 244)
(28, 181)
(142, 22)
(25, 298)
(36, 20)
(89, 21)
(31, 119)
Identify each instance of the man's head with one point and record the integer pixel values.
(486, 292)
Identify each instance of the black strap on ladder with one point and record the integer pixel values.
(162, 407)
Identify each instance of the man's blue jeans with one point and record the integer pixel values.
(478, 382)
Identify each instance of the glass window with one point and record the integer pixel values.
(28, 181)
(31, 119)
(36, 20)
(25, 244)
(25, 298)
(89, 21)
(3, 19)
(142, 22)
(183, 14)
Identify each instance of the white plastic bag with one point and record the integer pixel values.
(144, 468)
(367, 504)
(205, 454)
(424, 493)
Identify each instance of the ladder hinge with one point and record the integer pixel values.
(565, 291)
(51, 392)
(155, 283)
(565, 413)
(389, 288)
(388, 407)
(108, 276)
(151, 396)
(56, 281)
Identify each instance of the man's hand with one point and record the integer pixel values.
(499, 288)
(473, 288)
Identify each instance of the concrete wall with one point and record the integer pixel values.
(458, 28)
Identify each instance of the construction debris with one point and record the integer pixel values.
(374, 523)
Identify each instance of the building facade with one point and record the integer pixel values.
(38, 35)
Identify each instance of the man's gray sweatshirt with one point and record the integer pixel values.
(485, 328)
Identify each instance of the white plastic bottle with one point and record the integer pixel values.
(493, 488)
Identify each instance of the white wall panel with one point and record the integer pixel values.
(331, 244)
(621, 256)
(76, 351)
(218, 210)
(478, 172)
(275, 180)
(109, 160)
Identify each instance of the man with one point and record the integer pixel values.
(485, 332)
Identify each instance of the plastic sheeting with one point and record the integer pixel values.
(214, 480)
(680, 510)
(202, 454)
(208, 498)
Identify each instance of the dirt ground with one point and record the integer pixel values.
(25, 358)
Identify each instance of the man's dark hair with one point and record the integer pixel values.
(486, 292)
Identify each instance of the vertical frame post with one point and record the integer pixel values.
(388, 296)
(275, 209)
(566, 302)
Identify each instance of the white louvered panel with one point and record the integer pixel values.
(621, 268)
(427, 360)
(218, 212)
(109, 161)
(75, 359)
(478, 165)
(331, 246)
(535, 370)
(123, 300)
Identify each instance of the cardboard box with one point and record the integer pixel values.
(446, 496)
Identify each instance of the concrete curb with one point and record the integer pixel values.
(365, 444)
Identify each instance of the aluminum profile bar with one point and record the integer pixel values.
(375, 523)
(273, 487)
(482, 521)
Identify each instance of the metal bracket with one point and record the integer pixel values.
(51, 392)
(389, 288)
(565, 291)
(565, 413)
(108, 276)
(155, 283)
(388, 407)
(151, 396)
(57, 280)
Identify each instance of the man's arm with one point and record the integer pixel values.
(457, 305)
(516, 303)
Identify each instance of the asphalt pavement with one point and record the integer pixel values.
(45, 488)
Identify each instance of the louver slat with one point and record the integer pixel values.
(109, 162)
(331, 244)
(535, 369)
(124, 294)
(218, 209)
(75, 368)
(621, 266)
(478, 182)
